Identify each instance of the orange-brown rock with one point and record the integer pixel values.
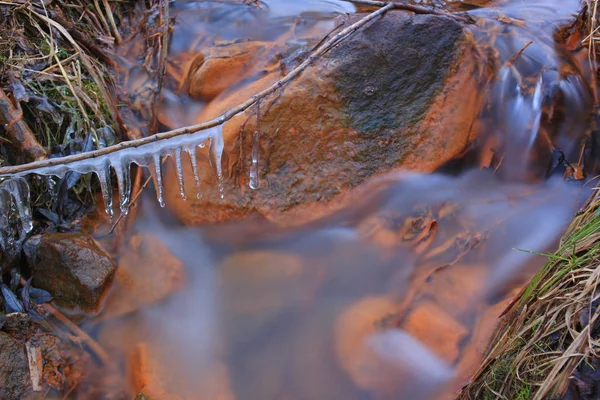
(400, 93)
(351, 331)
(436, 329)
(218, 68)
(147, 274)
(147, 376)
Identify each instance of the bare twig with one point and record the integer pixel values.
(518, 54)
(12, 170)
(92, 344)
(414, 8)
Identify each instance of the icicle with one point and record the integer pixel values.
(103, 174)
(254, 178)
(18, 188)
(216, 153)
(5, 209)
(192, 153)
(148, 155)
(7, 240)
(179, 168)
(121, 168)
(157, 178)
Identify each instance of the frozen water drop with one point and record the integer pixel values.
(216, 154)
(254, 178)
(156, 173)
(121, 167)
(103, 174)
(196, 173)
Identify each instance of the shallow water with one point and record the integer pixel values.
(395, 296)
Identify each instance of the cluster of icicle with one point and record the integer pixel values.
(14, 199)
(151, 156)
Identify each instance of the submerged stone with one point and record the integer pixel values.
(148, 273)
(73, 267)
(400, 93)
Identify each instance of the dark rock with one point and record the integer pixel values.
(19, 326)
(400, 93)
(15, 383)
(73, 267)
(390, 73)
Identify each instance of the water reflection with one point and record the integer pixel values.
(384, 300)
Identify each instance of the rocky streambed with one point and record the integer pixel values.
(358, 239)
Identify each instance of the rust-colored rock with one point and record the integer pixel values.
(49, 361)
(369, 105)
(351, 331)
(73, 267)
(147, 376)
(147, 274)
(457, 288)
(221, 66)
(436, 329)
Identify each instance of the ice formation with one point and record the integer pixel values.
(254, 178)
(151, 156)
(14, 200)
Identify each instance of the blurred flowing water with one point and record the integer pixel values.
(396, 296)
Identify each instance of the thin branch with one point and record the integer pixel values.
(92, 344)
(416, 9)
(12, 170)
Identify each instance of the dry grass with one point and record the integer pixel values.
(47, 66)
(551, 328)
(53, 65)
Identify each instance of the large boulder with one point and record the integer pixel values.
(73, 267)
(399, 93)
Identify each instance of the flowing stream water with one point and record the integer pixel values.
(395, 296)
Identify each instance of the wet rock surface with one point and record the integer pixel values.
(73, 267)
(368, 106)
(221, 66)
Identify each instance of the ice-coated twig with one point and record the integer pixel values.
(64, 161)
